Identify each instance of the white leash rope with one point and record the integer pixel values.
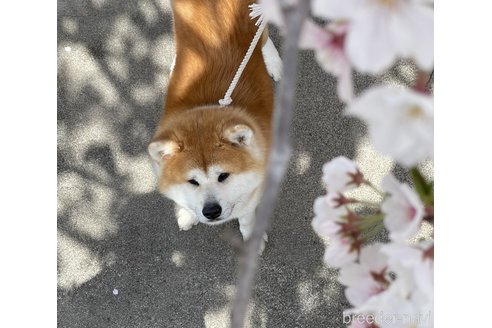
(255, 12)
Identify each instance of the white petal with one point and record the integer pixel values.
(323, 208)
(324, 227)
(372, 259)
(320, 206)
(372, 105)
(424, 304)
(369, 44)
(402, 252)
(400, 122)
(356, 296)
(413, 33)
(336, 174)
(335, 9)
(354, 274)
(338, 255)
(324, 222)
(424, 278)
(371, 306)
(398, 207)
(399, 307)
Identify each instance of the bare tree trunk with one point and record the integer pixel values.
(294, 14)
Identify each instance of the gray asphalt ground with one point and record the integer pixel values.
(121, 260)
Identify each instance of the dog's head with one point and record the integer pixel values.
(211, 161)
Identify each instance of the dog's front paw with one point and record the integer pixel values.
(186, 220)
(272, 59)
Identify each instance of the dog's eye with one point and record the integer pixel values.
(194, 182)
(223, 176)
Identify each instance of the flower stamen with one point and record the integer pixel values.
(387, 3)
(415, 112)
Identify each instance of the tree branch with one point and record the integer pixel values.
(294, 14)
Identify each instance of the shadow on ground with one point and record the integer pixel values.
(121, 260)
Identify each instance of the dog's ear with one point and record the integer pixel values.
(239, 135)
(162, 149)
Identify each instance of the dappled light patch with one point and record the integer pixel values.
(178, 258)
(86, 207)
(220, 318)
(76, 263)
(80, 72)
(303, 162)
(374, 166)
(70, 25)
(309, 297)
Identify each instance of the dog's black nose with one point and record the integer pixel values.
(212, 211)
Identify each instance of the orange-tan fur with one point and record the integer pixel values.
(211, 39)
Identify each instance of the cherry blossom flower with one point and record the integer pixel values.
(403, 209)
(404, 300)
(382, 30)
(329, 46)
(366, 278)
(407, 295)
(419, 259)
(341, 174)
(400, 122)
(402, 304)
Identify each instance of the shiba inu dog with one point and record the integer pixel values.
(211, 159)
